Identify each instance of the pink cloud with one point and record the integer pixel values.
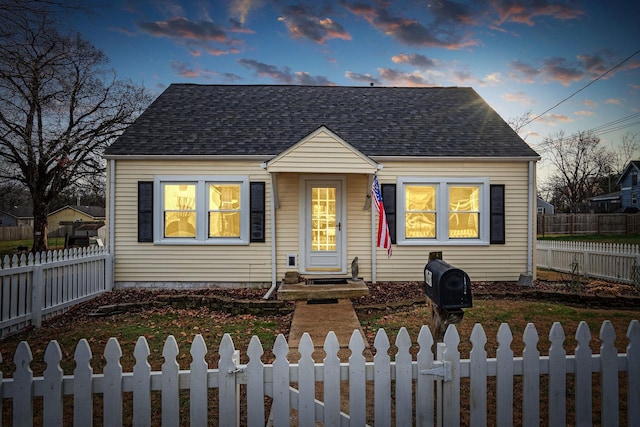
(519, 98)
(304, 23)
(441, 33)
(525, 12)
(195, 35)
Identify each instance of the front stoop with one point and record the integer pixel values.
(302, 291)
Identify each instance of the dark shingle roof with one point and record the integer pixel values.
(189, 119)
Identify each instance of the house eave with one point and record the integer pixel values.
(381, 159)
(249, 158)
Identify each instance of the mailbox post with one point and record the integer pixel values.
(449, 290)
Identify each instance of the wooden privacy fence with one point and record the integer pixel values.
(610, 261)
(36, 287)
(423, 391)
(588, 224)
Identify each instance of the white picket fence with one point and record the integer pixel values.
(609, 261)
(423, 392)
(36, 287)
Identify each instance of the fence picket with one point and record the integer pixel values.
(504, 377)
(22, 382)
(382, 379)
(557, 377)
(229, 390)
(424, 388)
(451, 389)
(112, 393)
(583, 376)
(609, 375)
(530, 378)
(52, 402)
(478, 375)
(170, 386)
(198, 395)
(357, 380)
(281, 399)
(404, 396)
(306, 382)
(331, 373)
(633, 370)
(1, 381)
(255, 384)
(82, 385)
(141, 384)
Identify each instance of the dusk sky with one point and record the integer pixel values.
(519, 55)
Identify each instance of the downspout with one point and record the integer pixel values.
(109, 269)
(532, 194)
(272, 212)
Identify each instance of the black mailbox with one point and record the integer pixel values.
(448, 287)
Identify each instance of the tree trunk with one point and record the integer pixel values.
(40, 227)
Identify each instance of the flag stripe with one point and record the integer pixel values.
(383, 238)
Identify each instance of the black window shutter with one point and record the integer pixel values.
(497, 214)
(389, 202)
(145, 211)
(257, 203)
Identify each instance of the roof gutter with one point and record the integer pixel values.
(261, 158)
(381, 159)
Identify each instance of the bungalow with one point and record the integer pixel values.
(78, 213)
(629, 189)
(222, 185)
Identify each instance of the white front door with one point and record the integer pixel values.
(324, 226)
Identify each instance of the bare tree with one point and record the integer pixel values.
(581, 162)
(517, 123)
(60, 106)
(627, 150)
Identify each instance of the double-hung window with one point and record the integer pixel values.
(443, 211)
(202, 210)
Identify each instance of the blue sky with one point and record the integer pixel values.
(519, 55)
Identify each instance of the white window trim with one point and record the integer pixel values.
(202, 210)
(442, 211)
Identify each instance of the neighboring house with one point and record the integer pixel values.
(17, 216)
(544, 207)
(628, 183)
(605, 203)
(236, 185)
(70, 214)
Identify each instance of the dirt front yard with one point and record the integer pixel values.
(552, 298)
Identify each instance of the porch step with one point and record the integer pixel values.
(304, 291)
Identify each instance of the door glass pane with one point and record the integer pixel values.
(179, 210)
(323, 219)
(464, 212)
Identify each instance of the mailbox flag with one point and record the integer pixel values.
(384, 238)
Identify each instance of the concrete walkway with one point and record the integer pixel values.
(318, 320)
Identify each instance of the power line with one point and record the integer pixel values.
(612, 126)
(584, 87)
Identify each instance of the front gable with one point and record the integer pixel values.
(322, 151)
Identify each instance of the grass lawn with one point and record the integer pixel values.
(10, 247)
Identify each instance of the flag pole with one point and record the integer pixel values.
(373, 236)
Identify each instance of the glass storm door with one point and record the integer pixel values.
(324, 226)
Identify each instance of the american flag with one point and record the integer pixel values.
(384, 238)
